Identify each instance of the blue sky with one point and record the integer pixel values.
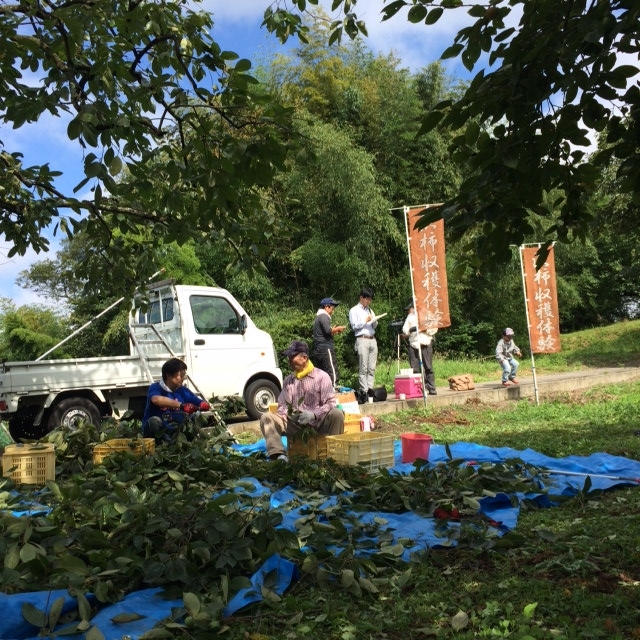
(236, 28)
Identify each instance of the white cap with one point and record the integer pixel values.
(508, 332)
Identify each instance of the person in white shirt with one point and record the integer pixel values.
(360, 318)
(422, 341)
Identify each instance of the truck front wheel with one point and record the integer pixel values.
(72, 411)
(258, 396)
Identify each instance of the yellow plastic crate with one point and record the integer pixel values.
(352, 423)
(315, 448)
(135, 446)
(29, 463)
(373, 450)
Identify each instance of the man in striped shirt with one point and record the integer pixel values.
(307, 399)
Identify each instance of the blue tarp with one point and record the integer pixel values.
(604, 470)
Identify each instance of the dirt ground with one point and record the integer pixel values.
(396, 424)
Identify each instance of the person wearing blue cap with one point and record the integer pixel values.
(307, 400)
(324, 348)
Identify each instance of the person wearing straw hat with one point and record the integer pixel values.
(420, 343)
(505, 349)
(324, 348)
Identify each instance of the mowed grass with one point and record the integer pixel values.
(569, 572)
(603, 418)
(616, 345)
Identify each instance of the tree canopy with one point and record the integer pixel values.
(320, 211)
(177, 138)
(553, 73)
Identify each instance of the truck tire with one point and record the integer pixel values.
(71, 411)
(258, 396)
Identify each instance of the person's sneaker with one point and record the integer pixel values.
(433, 393)
(282, 457)
(506, 384)
(514, 381)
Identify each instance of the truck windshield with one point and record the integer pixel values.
(213, 315)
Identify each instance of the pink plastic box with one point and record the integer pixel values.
(411, 386)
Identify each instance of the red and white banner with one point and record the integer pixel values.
(542, 301)
(428, 271)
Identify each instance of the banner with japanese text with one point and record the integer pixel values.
(542, 301)
(428, 271)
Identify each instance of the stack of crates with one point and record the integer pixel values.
(352, 423)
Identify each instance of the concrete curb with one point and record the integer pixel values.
(492, 392)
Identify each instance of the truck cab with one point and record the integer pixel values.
(225, 353)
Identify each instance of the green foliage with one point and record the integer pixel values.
(522, 124)
(197, 170)
(29, 331)
(185, 520)
(328, 220)
(286, 325)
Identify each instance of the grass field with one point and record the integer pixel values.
(569, 572)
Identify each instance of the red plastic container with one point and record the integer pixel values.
(414, 446)
(411, 386)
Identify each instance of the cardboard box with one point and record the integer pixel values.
(29, 463)
(411, 385)
(347, 402)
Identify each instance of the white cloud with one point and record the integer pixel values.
(10, 269)
(417, 45)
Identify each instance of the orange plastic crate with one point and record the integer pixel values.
(352, 422)
(315, 448)
(29, 463)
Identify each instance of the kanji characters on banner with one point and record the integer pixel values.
(428, 271)
(542, 301)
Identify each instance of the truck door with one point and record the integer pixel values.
(222, 357)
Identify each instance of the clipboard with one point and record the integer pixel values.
(376, 318)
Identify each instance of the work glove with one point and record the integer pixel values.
(188, 408)
(205, 406)
(306, 417)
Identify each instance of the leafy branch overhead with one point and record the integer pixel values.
(553, 76)
(177, 140)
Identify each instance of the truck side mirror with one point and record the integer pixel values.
(243, 324)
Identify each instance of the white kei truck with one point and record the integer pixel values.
(207, 328)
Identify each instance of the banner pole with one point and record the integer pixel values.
(526, 308)
(415, 308)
